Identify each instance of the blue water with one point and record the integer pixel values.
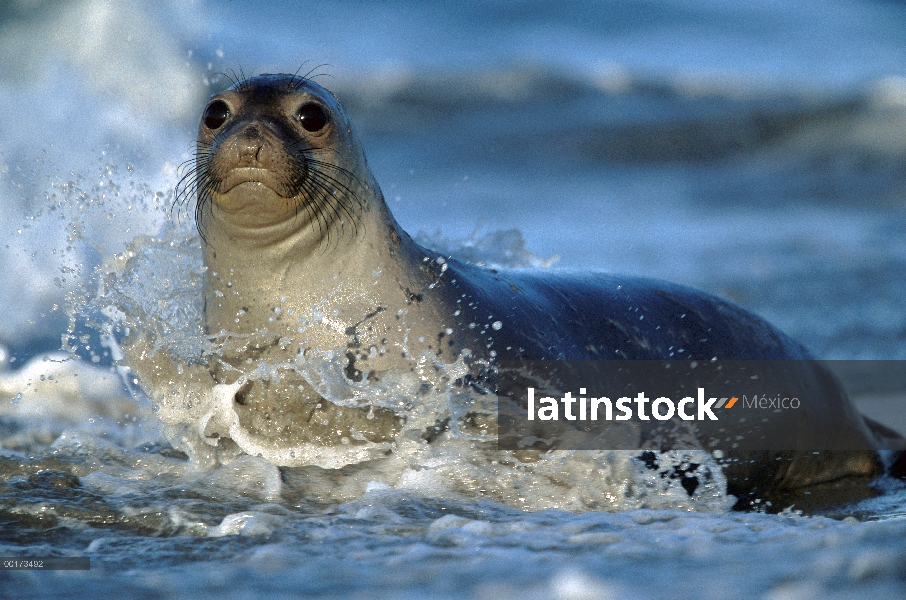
(753, 150)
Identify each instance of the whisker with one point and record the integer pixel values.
(192, 175)
(332, 196)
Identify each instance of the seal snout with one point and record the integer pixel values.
(250, 146)
(251, 154)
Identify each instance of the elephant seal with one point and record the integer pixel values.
(304, 260)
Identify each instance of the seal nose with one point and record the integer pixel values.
(250, 146)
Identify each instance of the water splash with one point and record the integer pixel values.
(446, 446)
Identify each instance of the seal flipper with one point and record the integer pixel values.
(898, 468)
(888, 439)
(894, 444)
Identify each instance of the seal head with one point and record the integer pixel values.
(277, 151)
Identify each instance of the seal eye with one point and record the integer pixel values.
(215, 114)
(312, 117)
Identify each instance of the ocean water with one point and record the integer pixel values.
(755, 151)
